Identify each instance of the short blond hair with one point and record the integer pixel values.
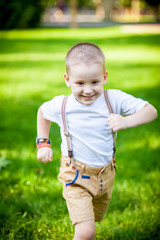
(87, 53)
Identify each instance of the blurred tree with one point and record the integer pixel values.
(155, 4)
(135, 10)
(83, 3)
(108, 6)
(74, 5)
(60, 4)
(21, 13)
(73, 12)
(125, 3)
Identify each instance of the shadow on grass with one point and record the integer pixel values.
(57, 45)
(53, 64)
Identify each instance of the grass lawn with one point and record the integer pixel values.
(31, 72)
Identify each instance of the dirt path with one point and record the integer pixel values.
(126, 27)
(141, 28)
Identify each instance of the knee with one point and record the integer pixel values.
(86, 232)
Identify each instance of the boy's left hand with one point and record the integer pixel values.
(117, 122)
(147, 114)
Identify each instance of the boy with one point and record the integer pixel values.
(87, 127)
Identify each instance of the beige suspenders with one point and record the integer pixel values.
(66, 133)
(114, 134)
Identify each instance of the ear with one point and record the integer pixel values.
(105, 78)
(66, 78)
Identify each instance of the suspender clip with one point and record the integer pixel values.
(114, 149)
(70, 153)
(66, 134)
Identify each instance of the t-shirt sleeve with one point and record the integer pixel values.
(52, 109)
(125, 104)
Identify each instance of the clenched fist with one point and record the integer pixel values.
(117, 122)
(44, 154)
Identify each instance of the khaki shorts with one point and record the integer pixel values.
(87, 190)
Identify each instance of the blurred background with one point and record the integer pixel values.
(35, 36)
(73, 13)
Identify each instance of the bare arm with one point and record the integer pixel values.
(43, 125)
(44, 154)
(145, 115)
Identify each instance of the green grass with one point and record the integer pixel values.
(31, 72)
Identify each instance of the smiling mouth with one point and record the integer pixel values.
(88, 97)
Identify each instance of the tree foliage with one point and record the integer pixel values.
(153, 3)
(20, 13)
(82, 3)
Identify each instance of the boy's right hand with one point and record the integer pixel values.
(44, 154)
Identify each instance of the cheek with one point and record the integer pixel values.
(75, 89)
(99, 88)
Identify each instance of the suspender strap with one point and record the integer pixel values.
(66, 133)
(107, 101)
(111, 111)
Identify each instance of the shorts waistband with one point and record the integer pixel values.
(84, 167)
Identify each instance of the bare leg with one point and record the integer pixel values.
(85, 230)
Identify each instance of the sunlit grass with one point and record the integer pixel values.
(31, 72)
(32, 57)
(59, 33)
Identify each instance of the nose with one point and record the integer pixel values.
(87, 89)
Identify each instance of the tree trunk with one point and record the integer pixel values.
(73, 13)
(135, 5)
(108, 7)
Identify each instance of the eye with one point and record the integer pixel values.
(95, 82)
(80, 83)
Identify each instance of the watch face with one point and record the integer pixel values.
(43, 140)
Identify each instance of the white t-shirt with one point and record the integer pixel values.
(91, 137)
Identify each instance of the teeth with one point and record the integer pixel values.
(87, 96)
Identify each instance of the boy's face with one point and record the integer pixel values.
(86, 82)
